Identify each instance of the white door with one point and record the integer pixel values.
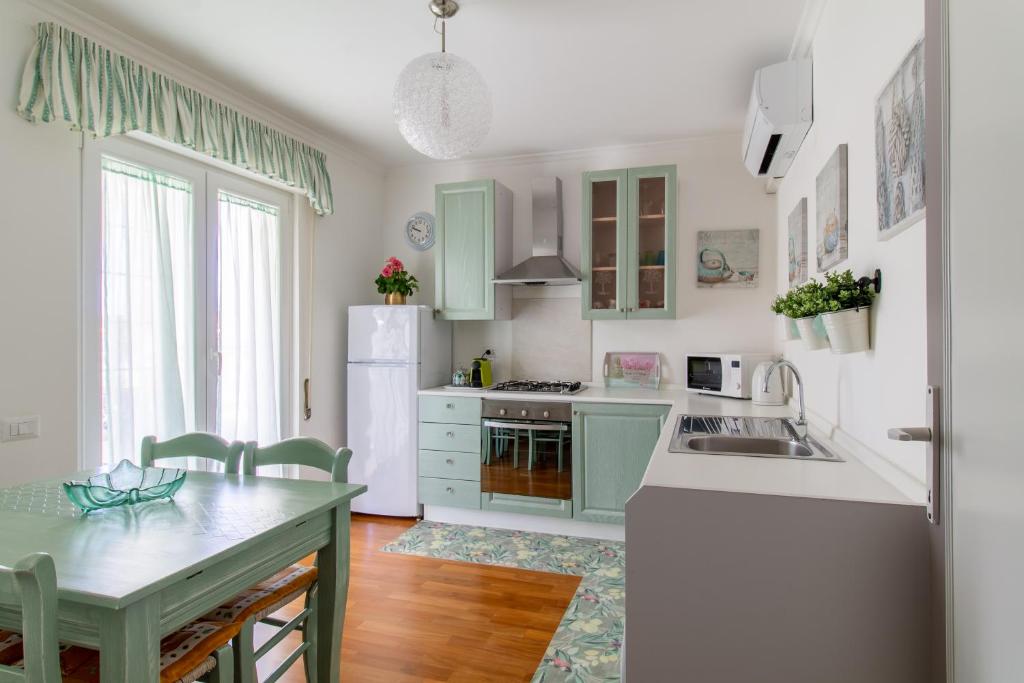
(382, 424)
(985, 535)
(383, 333)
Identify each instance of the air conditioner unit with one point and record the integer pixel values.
(778, 118)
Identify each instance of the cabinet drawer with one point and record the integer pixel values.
(451, 410)
(455, 493)
(450, 465)
(435, 436)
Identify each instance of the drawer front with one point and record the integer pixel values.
(450, 465)
(435, 436)
(454, 493)
(451, 410)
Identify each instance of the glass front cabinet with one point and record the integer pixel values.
(629, 243)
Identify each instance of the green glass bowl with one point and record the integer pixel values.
(126, 484)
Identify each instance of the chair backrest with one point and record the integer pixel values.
(31, 586)
(194, 445)
(301, 450)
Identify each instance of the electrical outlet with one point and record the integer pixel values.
(19, 428)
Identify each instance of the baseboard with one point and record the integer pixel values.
(533, 523)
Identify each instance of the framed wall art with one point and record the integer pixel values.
(798, 243)
(728, 258)
(900, 146)
(830, 211)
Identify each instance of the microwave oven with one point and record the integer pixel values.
(723, 374)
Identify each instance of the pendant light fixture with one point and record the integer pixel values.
(442, 104)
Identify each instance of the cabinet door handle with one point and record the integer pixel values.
(449, 490)
(449, 461)
(449, 406)
(450, 435)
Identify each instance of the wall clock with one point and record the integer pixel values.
(419, 231)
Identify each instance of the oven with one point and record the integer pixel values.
(527, 448)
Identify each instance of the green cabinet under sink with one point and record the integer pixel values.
(612, 444)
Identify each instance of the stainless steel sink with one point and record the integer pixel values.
(751, 436)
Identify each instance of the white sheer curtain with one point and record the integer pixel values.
(249, 319)
(147, 308)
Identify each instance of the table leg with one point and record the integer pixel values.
(332, 594)
(130, 643)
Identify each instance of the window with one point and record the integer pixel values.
(186, 298)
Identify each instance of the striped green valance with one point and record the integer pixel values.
(70, 77)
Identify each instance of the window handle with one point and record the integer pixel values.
(218, 358)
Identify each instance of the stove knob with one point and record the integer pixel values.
(524, 413)
(502, 411)
(547, 413)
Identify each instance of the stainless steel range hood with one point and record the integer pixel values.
(546, 266)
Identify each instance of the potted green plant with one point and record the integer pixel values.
(808, 303)
(846, 312)
(782, 307)
(395, 283)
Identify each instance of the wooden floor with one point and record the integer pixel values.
(420, 619)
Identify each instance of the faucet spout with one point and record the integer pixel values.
(801, 422)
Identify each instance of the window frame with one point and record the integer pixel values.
(207, 180)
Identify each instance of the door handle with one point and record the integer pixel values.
(910, 433)
(931, 437)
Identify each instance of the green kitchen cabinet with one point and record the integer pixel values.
(629, 243)
(472, 244)
(611, 447)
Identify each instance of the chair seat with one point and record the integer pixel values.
(266, 597)
(184, 654)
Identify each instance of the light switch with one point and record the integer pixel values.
(18, 428)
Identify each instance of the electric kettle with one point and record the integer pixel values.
(774, 396)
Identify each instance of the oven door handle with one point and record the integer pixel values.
(527, 426)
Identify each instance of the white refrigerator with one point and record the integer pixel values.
(392, 352)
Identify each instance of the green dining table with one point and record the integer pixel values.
(128, 576)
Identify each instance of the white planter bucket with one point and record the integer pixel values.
(789, 331)
(812, 331)
(849, 330)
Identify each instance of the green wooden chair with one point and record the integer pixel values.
(31, 586)
(556, 437)
(257, 603)
(496, 441)
(193, 445)
(35, 656)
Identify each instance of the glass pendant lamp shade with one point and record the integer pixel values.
(442, 105)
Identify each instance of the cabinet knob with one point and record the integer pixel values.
(450, 435)
(449, 406)
(547, 413)
(622, 310)
(501, 411)
(449, 461)
(524, 413)
(450, 490)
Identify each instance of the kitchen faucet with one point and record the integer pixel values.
(801, 421)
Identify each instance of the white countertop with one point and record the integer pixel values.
(849, 480)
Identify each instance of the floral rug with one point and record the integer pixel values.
(587, 645)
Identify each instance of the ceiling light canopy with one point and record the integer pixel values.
(442, 104)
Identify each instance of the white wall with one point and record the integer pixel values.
(715, 192)
(857, 47)
(40, 187)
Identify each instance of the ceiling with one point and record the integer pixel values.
(564, 74)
